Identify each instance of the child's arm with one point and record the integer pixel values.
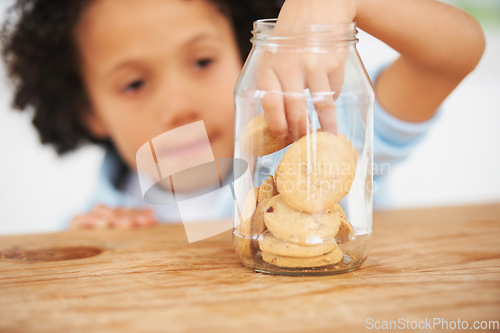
(439, 45)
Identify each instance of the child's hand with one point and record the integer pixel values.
(102, 217)
(284, 75)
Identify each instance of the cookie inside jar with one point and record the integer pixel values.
(298, 224)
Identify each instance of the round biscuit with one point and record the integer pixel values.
(272, 245)
(267, 189)
(346, 231)
(316, 171)
(243, 231)
(256, 138)
(291, 225)
(258, 225)
(329, 258)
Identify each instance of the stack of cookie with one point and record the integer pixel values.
(304, 220)
(297, 220)
(252, 224)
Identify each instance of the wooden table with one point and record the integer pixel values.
(426, 265)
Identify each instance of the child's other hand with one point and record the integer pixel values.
(102, 217)
(283, 75)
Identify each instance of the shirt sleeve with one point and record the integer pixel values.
(393, 138)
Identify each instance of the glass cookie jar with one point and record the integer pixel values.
(304, 204)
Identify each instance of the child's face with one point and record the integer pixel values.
(153, 65)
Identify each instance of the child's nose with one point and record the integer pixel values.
(176, 119)
(178, 108)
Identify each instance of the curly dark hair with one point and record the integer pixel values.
(42, 61)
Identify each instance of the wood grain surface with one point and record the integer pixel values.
(425, 265)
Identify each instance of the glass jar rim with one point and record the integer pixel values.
(264, 28)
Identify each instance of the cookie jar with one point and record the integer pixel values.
(303, 205)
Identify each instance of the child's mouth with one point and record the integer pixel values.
(186, 150)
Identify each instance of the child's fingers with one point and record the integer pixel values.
(123, 217)
(123, 221)
(272, 101)
(336, 78)
(149, 218)
(134, 218)
(295, 105)
(105, 217)
(89, 221)
(77, 222)
(104, 211)
(323, 100)
(145, 220)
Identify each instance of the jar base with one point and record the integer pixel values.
(355, 253)
(346, 265)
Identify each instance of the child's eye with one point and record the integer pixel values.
(134, 86)
(203, 63)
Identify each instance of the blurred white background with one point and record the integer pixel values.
(457, 164)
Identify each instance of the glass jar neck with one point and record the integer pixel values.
(266, 32)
